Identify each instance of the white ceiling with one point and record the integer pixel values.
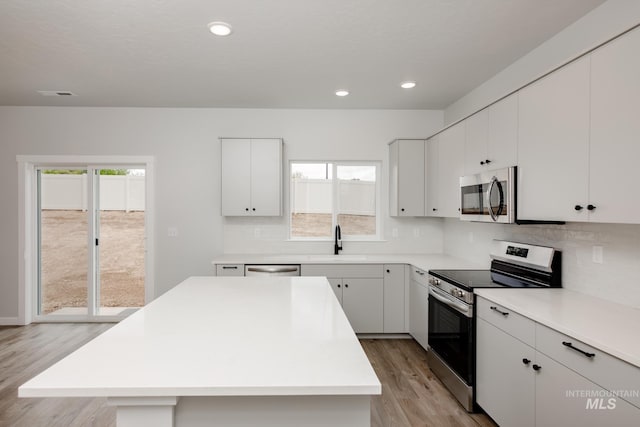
(282, 54)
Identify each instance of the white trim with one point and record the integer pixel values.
(9, 321)
(27, 259)
(92, 221)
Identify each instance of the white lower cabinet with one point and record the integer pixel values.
(565, 398)
(545, 382)
(505, 386)
(362, 302)
(230, 270)
(394, 298)
(360, 290)
(419, 312)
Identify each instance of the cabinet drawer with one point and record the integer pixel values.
(230, 270)
(512, 323)
(603, 369)
(419, 276)
(342, 270)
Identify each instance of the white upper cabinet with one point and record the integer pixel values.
(445, 164)
(492, 137)
(251, 177)
(431, 199)
(502, 143)
(476, 141)
(407, 177)
(451, 165)
(553, 145)
(615, 131)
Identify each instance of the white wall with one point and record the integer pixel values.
(598, 26)
(185, 145)
(618, 277)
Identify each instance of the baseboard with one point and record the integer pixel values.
(384, 336)
(9, 321)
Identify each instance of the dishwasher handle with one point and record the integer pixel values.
(273, 269)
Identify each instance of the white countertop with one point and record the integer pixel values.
(610, 327)
(221, 336)
(422, 261)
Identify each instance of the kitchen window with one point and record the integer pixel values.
(326, 194)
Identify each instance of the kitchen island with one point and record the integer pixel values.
(225, 351)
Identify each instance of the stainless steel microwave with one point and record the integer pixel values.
(489, 196)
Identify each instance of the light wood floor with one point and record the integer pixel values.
(411, 395)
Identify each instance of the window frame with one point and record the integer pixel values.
(335, 201)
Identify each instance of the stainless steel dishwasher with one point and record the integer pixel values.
(272, 270)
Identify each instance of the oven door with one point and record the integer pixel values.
(451, 332)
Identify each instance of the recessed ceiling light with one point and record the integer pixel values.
(219, 28)
(408, 85)
(342, 92)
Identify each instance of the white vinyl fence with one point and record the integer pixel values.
(315, 196)
(69, 192)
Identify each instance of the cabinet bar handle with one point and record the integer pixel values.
(229, 267)
(504, 313)
(568, 344)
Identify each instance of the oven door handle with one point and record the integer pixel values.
(457, 306)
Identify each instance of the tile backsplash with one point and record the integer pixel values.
(602, 260)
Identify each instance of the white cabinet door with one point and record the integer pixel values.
(561, 399)
(419, 313)
(251, 177)
(615, 131)
(476, 142)
(336, 285)
(236, 177)
(502, 142)
(451, 165)
(505, 384)
(553, 138)
(491, 140)
(266, 177)
(432, 176)
(362, 302)
(407, 178)
(394, 298)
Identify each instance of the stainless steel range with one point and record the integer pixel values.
(451, 353)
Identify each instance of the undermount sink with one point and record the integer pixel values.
(337, 257)
(315, 258)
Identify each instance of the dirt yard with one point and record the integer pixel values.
(65, 259)
(319, 225)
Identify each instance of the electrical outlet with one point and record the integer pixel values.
(597, 254)
(172, 232)
(416, 232)
(394, 232)
(257, 232)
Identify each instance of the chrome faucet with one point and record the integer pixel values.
(338, 238)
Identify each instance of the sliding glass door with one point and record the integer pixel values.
(91, 235)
